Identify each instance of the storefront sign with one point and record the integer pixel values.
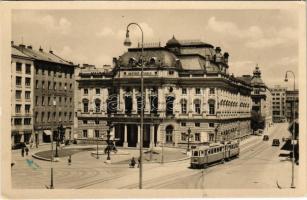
(138, 74)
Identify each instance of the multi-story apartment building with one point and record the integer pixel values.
(261, 96)
(279, 102)
(53, 92)
(187, 89)
(292, 104)
(22, 70)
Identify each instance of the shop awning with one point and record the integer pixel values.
(47, 132)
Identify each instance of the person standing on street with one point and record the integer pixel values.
(27, 150)
(22, 152)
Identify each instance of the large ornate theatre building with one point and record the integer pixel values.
(188, 95)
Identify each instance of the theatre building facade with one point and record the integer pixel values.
(188, 95)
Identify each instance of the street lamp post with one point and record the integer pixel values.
(97, 156)
(293, 134)
(127, 42)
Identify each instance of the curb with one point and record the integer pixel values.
(42, 158)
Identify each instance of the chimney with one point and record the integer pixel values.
(218, 49)
(40, 49)
(226, 56)
(12, 43)
(29, 47)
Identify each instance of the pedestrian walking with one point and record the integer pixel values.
(22, 152)
(139, 162)
(69, 160)
(132, 162)
(27, 150)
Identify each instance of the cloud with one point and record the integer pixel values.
(242, 67)
(106, 31)
(230, 28)
(62, 25)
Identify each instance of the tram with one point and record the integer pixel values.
(204, 155)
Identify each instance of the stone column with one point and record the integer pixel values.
(134, 102)
(125, 135)
(152, 135)
(161, 102)
(147, 104)
(139, 136)
(121, 100)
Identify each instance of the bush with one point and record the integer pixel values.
(75, 141)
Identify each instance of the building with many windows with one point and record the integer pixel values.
(279, 102)
(52, 92)
(187, 89)
(261, 96)
(292, 104)
(22, 70)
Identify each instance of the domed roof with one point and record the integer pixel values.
(172, 42)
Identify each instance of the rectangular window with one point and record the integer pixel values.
(85, 91)
(97, 91)
(97, 135)
(27, 109)
(18, 80)
(85, 133)
(36, 84)
(49, 101)
(36, 100)
(197, 108)
(49, 85)
(60, 100)
(211, 91)
(211, 124)
(170, 72)
(65, 116)
(65, 86)
(42, 116)
(70, 115)
(43, 72)
(183, 124)
(43, 84)
(197, 124)
(18, 94)
(18, 67)
(97, 121)
(48, 116)
(211, 109)
(184, 90)
(197, 137)
(54, 115)
(37, 71)
(49, 72)
(84, 121)
(36, 117)
(60, 85)
(28, 68)
(27, 94)
(18, 121)
(17, 108)
(43, 100)
(54, 86)
(28, 81)
(65, 100)
(197, 90)
(60, 116)
(70, 86)
(27, 121)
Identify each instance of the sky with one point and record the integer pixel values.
(268, 38)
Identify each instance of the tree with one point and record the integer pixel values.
(257, 121)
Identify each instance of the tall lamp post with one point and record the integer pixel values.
(127, 42)
(293, 134)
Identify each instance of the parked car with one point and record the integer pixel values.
(18, 145)
(275, 142)
(265, 138)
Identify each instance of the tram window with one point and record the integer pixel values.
(214, 150)
(205, 153)
(195, 153)
(201, 153)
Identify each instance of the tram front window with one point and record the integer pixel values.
(195, 153)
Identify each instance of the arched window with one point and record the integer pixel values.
(197, 107)
(132, 61)
(169, 105)
(211, 103)
(169, 134)
(85, 105)
(97, 105)
(183, 106)
(128, 104)
(152, 60)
